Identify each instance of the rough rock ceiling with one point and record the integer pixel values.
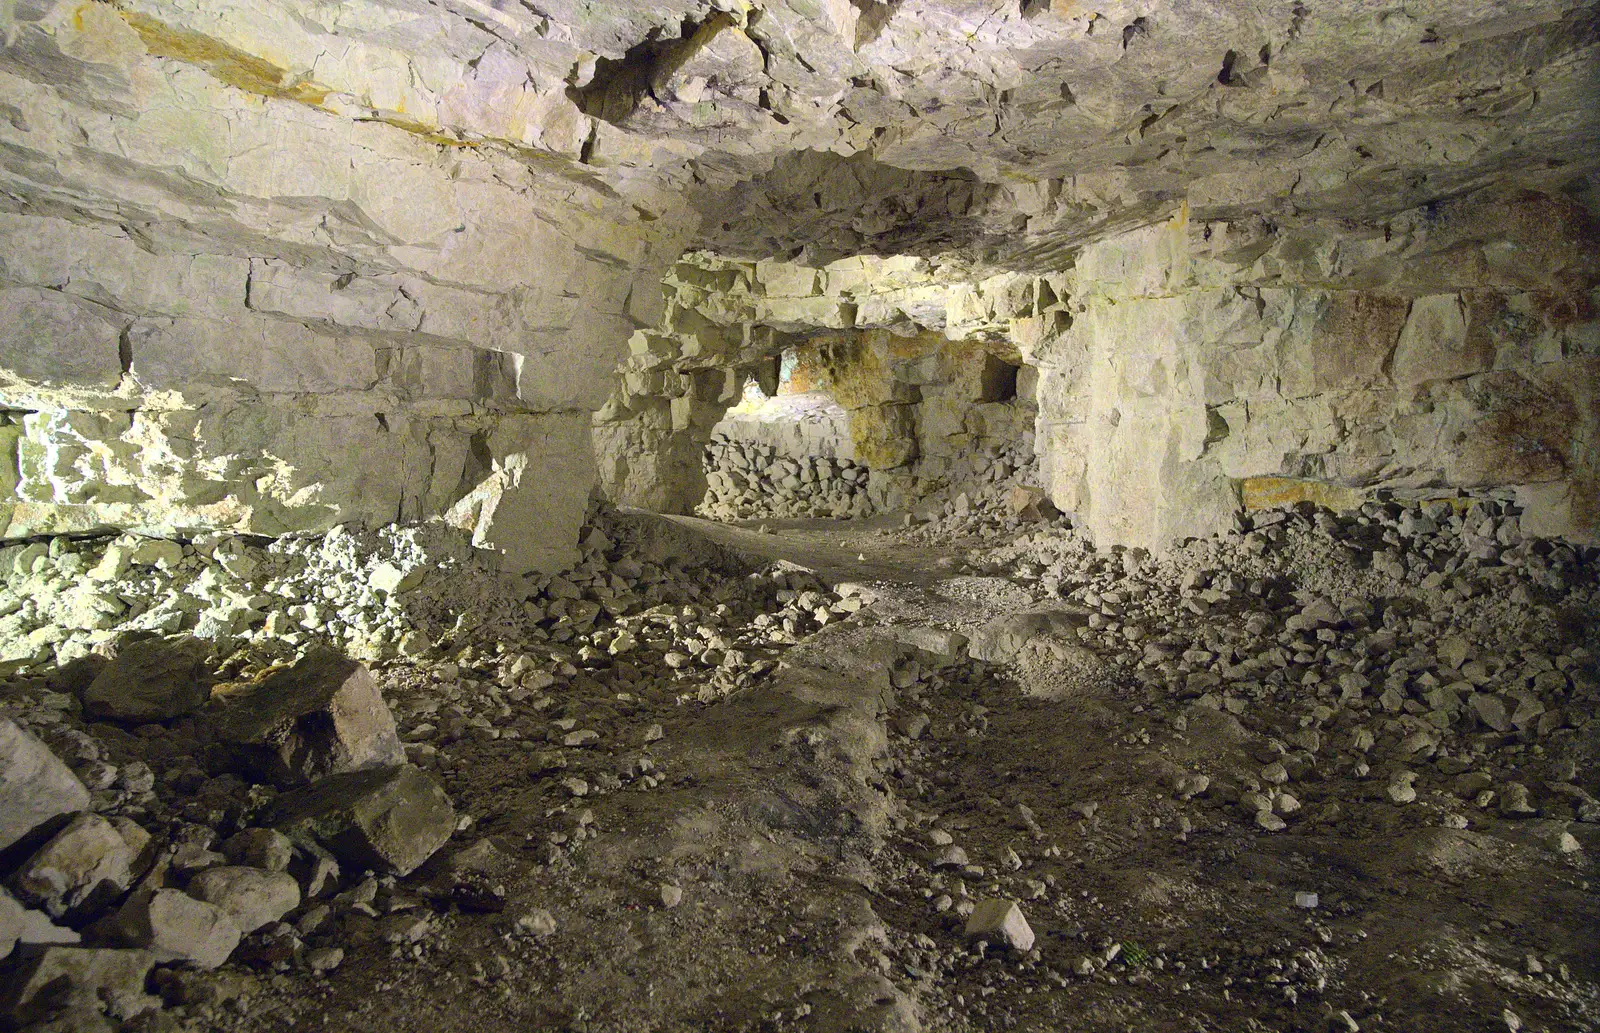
(1015, 129)
(1027, 128)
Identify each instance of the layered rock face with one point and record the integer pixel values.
(1185, 371)
(242, 291)
(275, 266)
(1212, 366)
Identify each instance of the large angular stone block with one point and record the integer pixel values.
(86, 864)
(35, 786)
(320, 717)
(151, 680)
(92, 978)
(390, 819)
(175, 927)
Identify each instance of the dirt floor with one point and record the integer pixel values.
(1216, 810)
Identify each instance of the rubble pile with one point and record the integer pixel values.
(220, 828)
(174, 803)
(747, 480)
(1428, 652)
(1340, 739)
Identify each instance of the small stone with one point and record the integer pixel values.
(392, 581)
(538, 922)
(1564, 842)
(250, 896)
(1491, 710)
(1514, 801)
(1189, 785)
(1401, 792)
(1271, 822)
(1454, 651)
(324, 959)
(671, 896)
(316, 870)
(1002, 922)
(1304, 899)
(951, 857)
(913, 726)
(405, 928)
(260, 848)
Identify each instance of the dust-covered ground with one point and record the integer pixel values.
(1326, 773)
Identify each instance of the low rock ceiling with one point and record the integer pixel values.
(817, 128)
(1015, 130)
(1025, 129)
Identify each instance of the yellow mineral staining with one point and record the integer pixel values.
(223, 62)
(1266, 492)
(430, 134)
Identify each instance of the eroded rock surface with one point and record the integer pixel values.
(1210, 393)
(269, 268)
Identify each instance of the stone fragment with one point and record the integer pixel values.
(671, 896)
(86, 864)
(1270, 822)
(1029, 504)
(323, 716)
(948, 646)
(1000, 922)
(392, 581)
(1515, 801)
(20, 926)
(537, 922)
(250, 896)
(151, 680)
(324, 959)
(157, 552)
(1004, 640)
(174, 926)
(1454, 651)
(259, 848)
(1491, 710)
(95, 979)
(315, 870)
(35, 786)
(388, 819)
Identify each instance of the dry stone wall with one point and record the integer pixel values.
(924, 413)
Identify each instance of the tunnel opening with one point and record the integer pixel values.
(998, 381)
(784, 455)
